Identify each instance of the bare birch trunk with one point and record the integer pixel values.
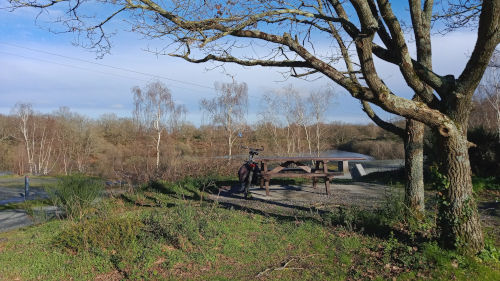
(308, 139)
(158, 150)
(230, 145)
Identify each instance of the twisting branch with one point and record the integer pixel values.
(381, 123)
(254, 62)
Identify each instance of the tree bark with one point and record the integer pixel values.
(414, 169)
(413, 137)
(458, 217)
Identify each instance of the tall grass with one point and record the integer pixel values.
(75, 194)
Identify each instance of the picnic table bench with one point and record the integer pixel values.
(297, 167)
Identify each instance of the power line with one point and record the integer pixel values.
(106, 65)
(109, 66)
(87, 69)
(71, 66)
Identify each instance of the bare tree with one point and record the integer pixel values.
(292, 28)
(289, 110)
(271, 119)
(489, 90)
(154, 110)
(76, 140)
(288, 104)
(228, 109)
(303, 119)
(24, 111)
(38, 135)
(319, 103)
(46, 144)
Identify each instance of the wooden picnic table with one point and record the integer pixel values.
(300, 168)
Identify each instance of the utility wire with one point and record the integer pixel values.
(71, 66)
(109, 66)
(105, 65)
(87, 69)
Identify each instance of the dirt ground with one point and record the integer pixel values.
(294, 200)
(298, 200)
(364, 195)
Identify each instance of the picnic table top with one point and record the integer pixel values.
(305, 158)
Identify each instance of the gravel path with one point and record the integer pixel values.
(12, 191)
(12, 219)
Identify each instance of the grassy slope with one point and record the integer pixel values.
(168, 233)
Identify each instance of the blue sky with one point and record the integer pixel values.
(45, 69)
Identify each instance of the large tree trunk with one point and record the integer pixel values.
(413, 137)
(458, 220)
(414, 170)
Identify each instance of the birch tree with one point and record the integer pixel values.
(38, 134)
(271, 119)
(154, 111)
(24, 113)
(319, 102)
(228, 110)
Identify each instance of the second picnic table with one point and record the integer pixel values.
(301, 169)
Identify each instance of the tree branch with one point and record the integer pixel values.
(34, 3)
(487, 40)
(404, 59)
(253, 62)
(381, 123)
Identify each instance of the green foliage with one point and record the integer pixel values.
(100, 236)
(182, 225)
(439, 181)
(353, 218)
(490, 252)
(490, 183)
(76, 194)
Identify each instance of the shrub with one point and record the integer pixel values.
(485, 156)
(480, 184)
(182, 225)
(75, 194)
(100, 236)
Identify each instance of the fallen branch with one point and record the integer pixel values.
(285, 265)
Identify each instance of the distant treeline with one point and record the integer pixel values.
(65, 142)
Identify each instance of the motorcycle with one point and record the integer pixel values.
(249, 172)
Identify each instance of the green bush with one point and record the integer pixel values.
(75, 194)
(490, 183)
